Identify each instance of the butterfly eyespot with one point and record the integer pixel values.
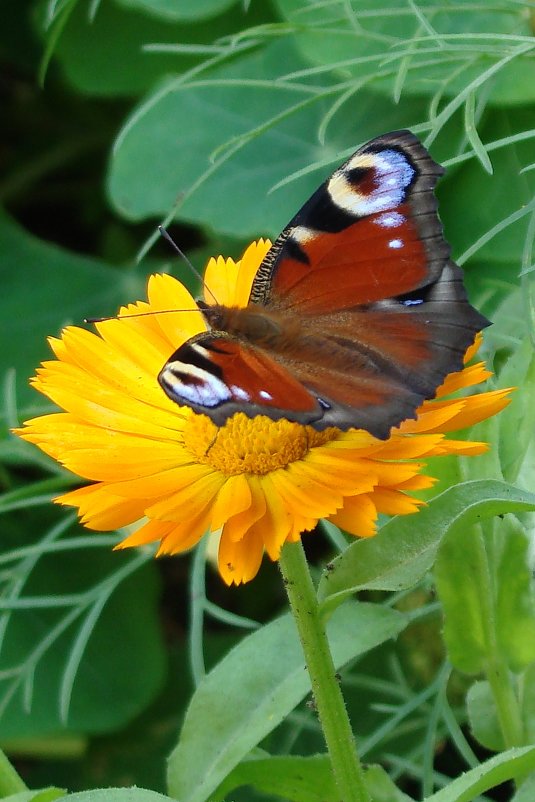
(356, 313)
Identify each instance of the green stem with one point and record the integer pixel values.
(10, 782)
(347, 769)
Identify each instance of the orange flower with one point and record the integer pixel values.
(259, 482)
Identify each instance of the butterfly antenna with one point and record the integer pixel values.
(166, 235)
(138, 314)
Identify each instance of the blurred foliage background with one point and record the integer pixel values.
(217, 118)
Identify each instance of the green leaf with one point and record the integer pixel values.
(303, 779)
(295, 778)
(458, 577)
(220, 175)
(483, 716)
(49, 288)
(515, 603)
(476, 617)
(526, 792)
(506, 192)
(62, 608)
(44, 795)
(499, 769)
(116, 795)
(381, 787)
(405, 548)
(54, 33)
(107, 55)
(251, 691)
(431, 50)
(183, 10)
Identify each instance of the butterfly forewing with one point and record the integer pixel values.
(370, 232)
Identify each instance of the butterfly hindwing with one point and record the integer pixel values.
(220, 375)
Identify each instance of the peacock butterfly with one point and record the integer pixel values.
(356, 314)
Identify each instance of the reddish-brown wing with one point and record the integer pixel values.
(370, 232)
(365, 266)
(356, 314)
(219, 375)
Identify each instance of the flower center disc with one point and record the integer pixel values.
(244, 445)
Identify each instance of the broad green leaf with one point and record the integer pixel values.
(116, 795)
(483, 716)
(405, 548)
(108, 56)
(515, 603)
(381, 787)
(46, 289)
(245, 133)
(183, 10)
(295, 778)
(482, 614)
(304, 779)
(252, 690)
(44, 795)
(499, 769)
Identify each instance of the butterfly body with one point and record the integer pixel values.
(355, 315)
(255, 324)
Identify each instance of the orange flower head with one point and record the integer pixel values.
(256, 482)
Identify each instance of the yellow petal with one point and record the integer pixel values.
(305, 495)
(162, 484)
(472, 410)
(220, 279)
(401, 446)
(472, 350)
(165, 292)
(99, 509)
(273, 528)
(150, 532)
(234, 498)
(432, 416)
(358, 516)
(468, 377)
(461, 448)
(240, 523)
(392, 502)
(248, 266)
(239, 561)
(418, 482)
(183, 504)
(186, 534)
